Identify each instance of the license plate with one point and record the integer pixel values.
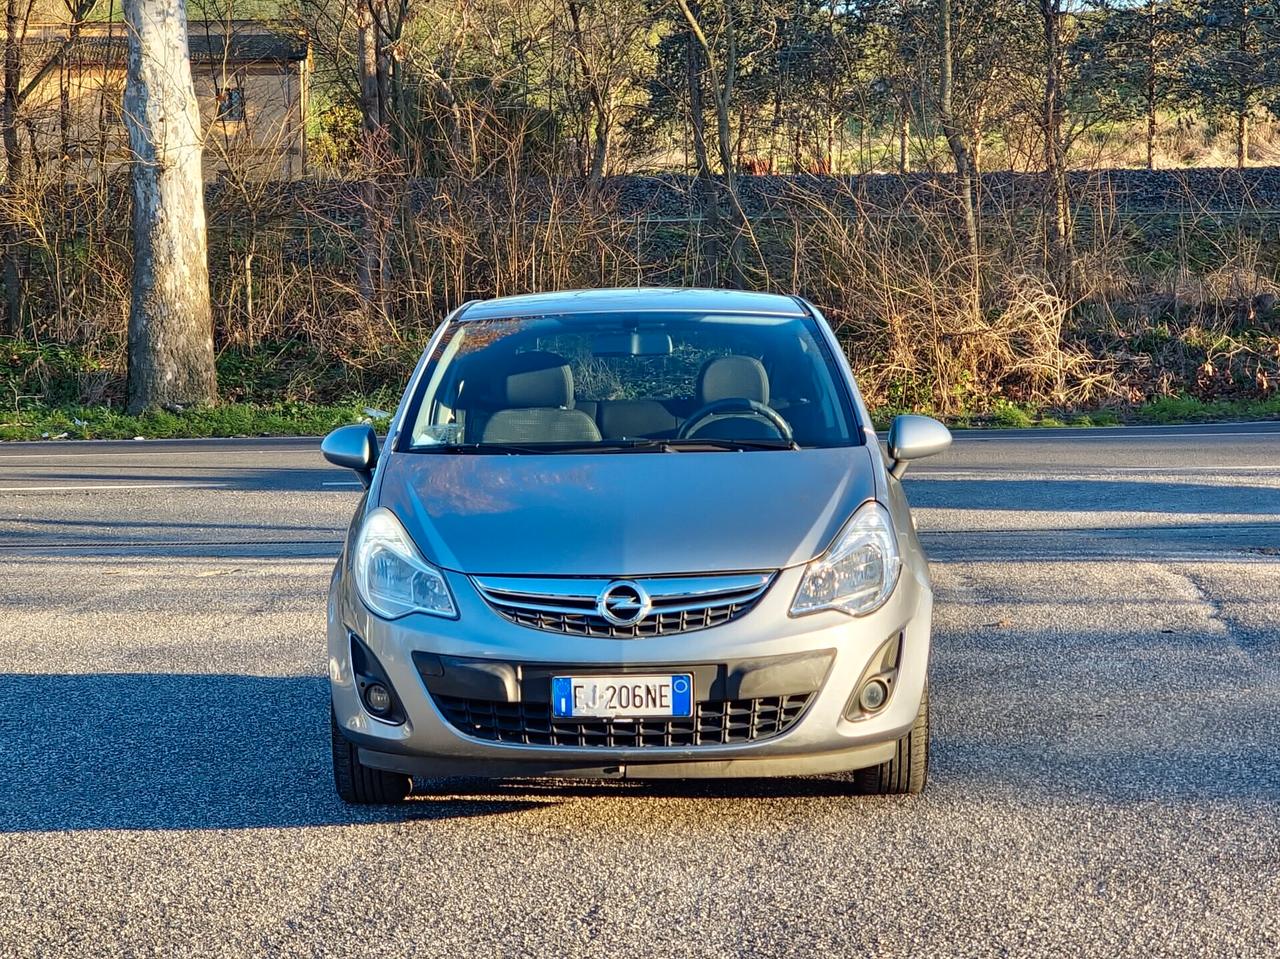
(621, 697)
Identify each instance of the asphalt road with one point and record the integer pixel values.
(1106, 764)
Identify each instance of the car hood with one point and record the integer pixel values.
(625, 514)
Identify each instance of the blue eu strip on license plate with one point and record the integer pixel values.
(622, 697)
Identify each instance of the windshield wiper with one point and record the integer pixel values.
(701, 444)
(638, 445)
(603, 446)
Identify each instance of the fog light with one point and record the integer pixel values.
(873, 695)
(378, 698)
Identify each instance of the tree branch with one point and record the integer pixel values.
(82, 10)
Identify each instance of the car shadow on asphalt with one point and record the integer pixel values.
(183, 751)
(807, 787)
(320, 478)
(1132, 494)
(149, 751)
(163, 751)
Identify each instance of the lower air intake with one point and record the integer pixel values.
(714, 723)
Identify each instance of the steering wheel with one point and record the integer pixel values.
(735, 405)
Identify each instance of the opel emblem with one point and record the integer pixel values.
(623, 603)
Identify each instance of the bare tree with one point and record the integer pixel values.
(375, 136)
(1133, 60)
(707, 187)
(1159, 38)
(1232, 70)
(722, 76)
(170, 317)
(1052, 121)
(892, 42)
(13, 163)
(723, 60)
(16, 93)
(597, 91)
(960, 154)
(607, 41)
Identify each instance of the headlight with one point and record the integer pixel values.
(859, 570)
(391, 577)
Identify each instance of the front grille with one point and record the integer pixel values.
(714, 723)
(678, 604)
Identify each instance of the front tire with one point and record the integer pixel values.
(906, 773)
(360, 784)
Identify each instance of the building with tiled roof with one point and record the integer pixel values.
(250, 79)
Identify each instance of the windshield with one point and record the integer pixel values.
(631, 381)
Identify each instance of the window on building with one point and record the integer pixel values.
(112, 102)
(231, 104)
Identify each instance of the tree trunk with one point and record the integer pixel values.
(722, 84)
(964, 165)
(1058, 225)
(730, 178)
(599, 97)
(600, 156)
(10, 238)
(724, 136)
(1152, 51)
(369, 272)
(1242, 112)
(709, 252)
(170, 317)
(384, 79)
(904, 134)
(1151, 133)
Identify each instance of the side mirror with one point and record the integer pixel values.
(913, 438)
(354, 448)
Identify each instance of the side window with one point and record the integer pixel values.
(112, 102)
(439, 421)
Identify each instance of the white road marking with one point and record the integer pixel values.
(341, 483)
(1101, 433)
(145, 450)
(1085, 471)
(107, 487)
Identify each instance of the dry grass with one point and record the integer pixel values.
(1188, 306)
(897, 285)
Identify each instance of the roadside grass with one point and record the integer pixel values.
(48, 391)
(1005, 415)
(42, 421)
(1161, 411)
(1188, 409)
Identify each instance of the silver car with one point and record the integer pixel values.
(631, 533)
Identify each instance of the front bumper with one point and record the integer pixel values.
(764, 655)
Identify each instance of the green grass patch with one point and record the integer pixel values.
(51, 372)
(1006, 415)
(266, 376)
(1189, 409)
(42, 421)
(290, 390)
(1167, 410)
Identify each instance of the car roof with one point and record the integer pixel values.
(634, 299)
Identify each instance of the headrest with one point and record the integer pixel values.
(537, 379)
(733, 377)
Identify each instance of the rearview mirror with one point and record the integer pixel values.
(638, 343)
(913, 438)
(354, 448)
